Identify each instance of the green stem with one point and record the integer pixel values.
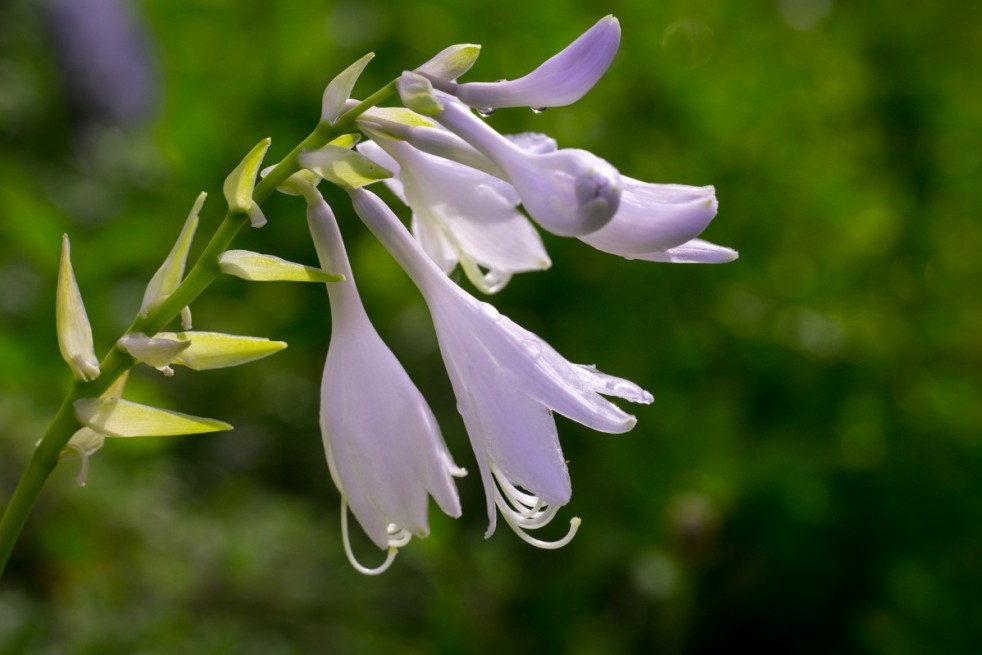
(115, 363)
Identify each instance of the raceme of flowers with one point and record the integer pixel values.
(477, 199)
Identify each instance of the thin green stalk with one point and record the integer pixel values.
(115, 363)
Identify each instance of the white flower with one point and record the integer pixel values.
(561, 80)
(383, 445)
(462, 215)
(508, 382)
(569, 192)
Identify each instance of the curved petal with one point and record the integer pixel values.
(568, 192)
(508, 430)
(560, 80)
(654, 217)
(696, 251)
(473, 210)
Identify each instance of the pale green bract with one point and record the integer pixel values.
(74, 330)
(115, 417)
(339, 90)
(343, 167)
(171, 272)
(240, 182)
(208, 350)
(450, 63)
(257, 267)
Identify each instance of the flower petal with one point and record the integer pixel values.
(382, 442)
(568, 192)
(654, 217)
(561, 80)
(696, 251)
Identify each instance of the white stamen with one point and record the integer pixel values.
(523, 512)
(383, 567)
(186, 318)
(83, 471)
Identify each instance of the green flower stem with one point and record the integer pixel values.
(115, 363)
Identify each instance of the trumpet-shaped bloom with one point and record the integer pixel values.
(462, 215)
(653, 222)
(383, 445)
(569, 192)
(508, 382)
(561, 80)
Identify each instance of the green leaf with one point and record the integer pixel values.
(343, 167)
(115, 417)
(257, 267)
(339, 90)
(208, 350)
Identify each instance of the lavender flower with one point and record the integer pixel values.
(383, 444)
(568, 192)
(508, 382)
(561, 80)
(461, 215)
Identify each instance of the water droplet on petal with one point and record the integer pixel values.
(500, 81)
(490, 311)
(533, 347)
(538, 110)
(484, 112)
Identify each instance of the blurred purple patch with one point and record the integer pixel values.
(104, 56)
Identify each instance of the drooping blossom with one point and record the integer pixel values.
(569, 192)
(508, 382)
(461, 215)
(653, 222)
(383, 444)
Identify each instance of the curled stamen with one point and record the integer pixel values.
(515, 495)
(382, 568)
(574, 524)
(398, 537)
(524, 512)
(83, 470)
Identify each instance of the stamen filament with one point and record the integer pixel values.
(382, 568)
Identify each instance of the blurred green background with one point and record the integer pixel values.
(807, 480)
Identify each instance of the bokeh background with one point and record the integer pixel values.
(808, 480)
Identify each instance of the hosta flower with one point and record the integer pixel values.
(569, 192)
(508, 382)
(383, 445)
(653, 222)
(462, 215)
(561, 80)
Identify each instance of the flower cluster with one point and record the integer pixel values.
(466, 186)
(476, 199)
